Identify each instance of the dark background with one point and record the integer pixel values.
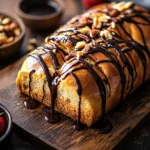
(140, 140)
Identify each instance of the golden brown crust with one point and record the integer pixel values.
(89, 32)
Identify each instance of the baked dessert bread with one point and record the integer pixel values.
(89, 65)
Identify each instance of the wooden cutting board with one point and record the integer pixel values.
(62, 136)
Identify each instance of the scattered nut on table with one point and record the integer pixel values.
(32, 45)
(9, 30)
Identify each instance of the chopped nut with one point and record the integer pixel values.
(7, 28)
(9, 40)
(102, 33)
(84, 30)
(113, 33)
(119, 6)
(54, 50)
(3, 38)
(83, 20)
(17, 31)
(30, 47)
(6, 21)
(97, 23)
(122, 6)
(75, 37)
(113, 25)
(46, 39)
(13, 25)
(84, 37)
(104, 18)
(128, 5)
(94, 33)
(98, 40)
(33, 41)
(113, 13)
(129, 11)
(1, 28)
(79, 54)
(87, 48)
(106, 34)
(80, 45)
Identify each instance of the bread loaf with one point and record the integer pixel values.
(89, 65)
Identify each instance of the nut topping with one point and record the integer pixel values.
(97, 23)
(79, 54)
(84, 37)
(84, 30)
(94, 33)
(106, 34)
(122, 6)
(80, 45)
(113, 25)
(128, 5)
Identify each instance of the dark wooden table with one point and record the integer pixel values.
(139, 141)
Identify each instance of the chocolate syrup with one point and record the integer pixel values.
(77, 124)
(40, 9)
(30, 80)
(52, 117)
(120, 107)
(53, 56)
(103, 126)
(31, 103)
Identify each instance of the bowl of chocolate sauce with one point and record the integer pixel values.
(40, 14)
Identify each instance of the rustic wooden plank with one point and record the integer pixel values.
(62, 135)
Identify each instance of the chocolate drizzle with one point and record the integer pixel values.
(50, 116)
(115, 53)
(29, 102)
(77, 125)
(53, 56)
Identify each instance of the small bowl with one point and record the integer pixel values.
(40, 14)
(8, 119)
(7, 51)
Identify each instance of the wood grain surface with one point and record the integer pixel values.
(62, 135)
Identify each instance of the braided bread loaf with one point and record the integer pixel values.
(92, 63)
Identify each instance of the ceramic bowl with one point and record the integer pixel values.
(9, 50)
(8, 119)
(37, 16)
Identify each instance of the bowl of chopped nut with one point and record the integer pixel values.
(12, 31)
